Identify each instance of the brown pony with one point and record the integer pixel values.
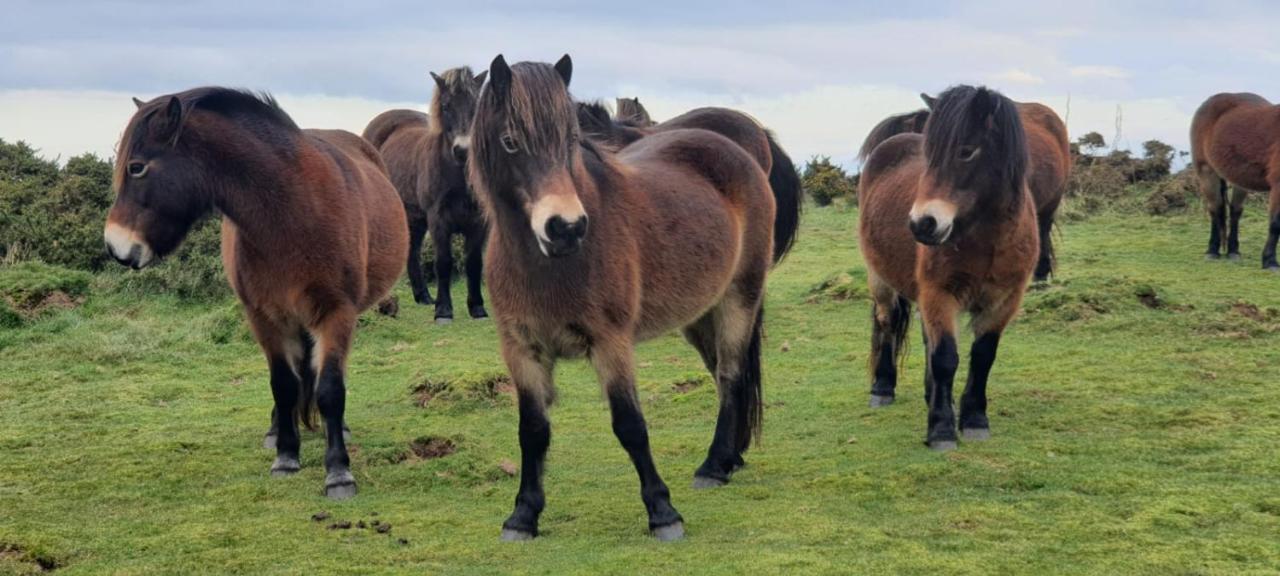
(1235, 139)
(595, 123)
(593, 251)
(631, 111)
(1047, 173)
(312, 234)
(426, 158)
(947, 221)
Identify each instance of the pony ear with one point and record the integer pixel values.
(439, 81)
(138, 103)
(565, 68)
(500, 75)
(168, 121)
(929, 101)
(480, 78)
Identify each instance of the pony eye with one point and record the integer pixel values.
(509, 144)
(138, 169)
(967, 153)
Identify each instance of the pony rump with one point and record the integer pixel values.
(962, 111)
(892, 126)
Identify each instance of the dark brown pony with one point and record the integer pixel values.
(312, 234)
(1235, 139)
(595, 123)
(592, 251)
(426, 157)
(1047, 173)
(947, 221)
(631, 111)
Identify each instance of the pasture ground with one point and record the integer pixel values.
(1135, 409)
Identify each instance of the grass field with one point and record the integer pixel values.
(1135, 411)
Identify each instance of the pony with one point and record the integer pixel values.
(426, 157)
(631, 111)
(1048, 172)
(312, 234)
(596, 124)
(593, 250)
(947, 221)
(1234, 142)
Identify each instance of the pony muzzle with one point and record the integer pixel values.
(560, 224)
(127, 247)
(932, 222)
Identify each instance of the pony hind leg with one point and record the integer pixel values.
(1235, 211)
(615, 366)
(284, 351)
(1213, 192)
(890, 320)
(333, 336)
(735, 332)
(1044, 267)
(1273, 230)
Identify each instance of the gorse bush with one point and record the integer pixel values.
(826, 182)
(52, 214)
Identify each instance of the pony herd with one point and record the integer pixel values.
(592, 232)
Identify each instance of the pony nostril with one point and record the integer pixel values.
(926, 226)
(561, 230)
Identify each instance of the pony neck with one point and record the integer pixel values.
(255, 193)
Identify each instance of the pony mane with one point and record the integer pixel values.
(631, 112)
(594, 119)
(963, 111)
(892, 126)
(238, 103)
(456, 80)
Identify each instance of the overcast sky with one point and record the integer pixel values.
(819, 73)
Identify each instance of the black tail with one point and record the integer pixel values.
(307, 410)
(788, 195)
(892, 126)
(750, 392)
(899, 324)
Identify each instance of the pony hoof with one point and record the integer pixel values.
(509, 535)
(1234, 256)
(285, 466)
(424, 300)
(340, 485)
(346, 434)
(942, 445)
(269, 441)
(878, 401)
(1273, 269)
(1212, 256)
(975, 434)
(701, 482)
(669, 533)
(444, 321)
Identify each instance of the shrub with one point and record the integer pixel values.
(193, 272)
(826, 182)
(50, 214)
(1173, 194)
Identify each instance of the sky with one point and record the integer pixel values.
(819, 73)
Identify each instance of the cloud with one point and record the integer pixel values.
(1015, 76)
(1109, 72)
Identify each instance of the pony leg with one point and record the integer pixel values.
(332, 344)
(1044, 267)
(702, 336)
(736, 333)
(285, 354)
(417, 231)
(532, 377)
(444, 271)
(616, 368)
(1273, 232)
(1238, 196)
(939, 311)
(890, 319)
(475, 272)
(1213, 191)
(987, 328)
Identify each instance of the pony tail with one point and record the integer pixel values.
(750, 390)
(788, 195)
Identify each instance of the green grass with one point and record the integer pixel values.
(1128, 439)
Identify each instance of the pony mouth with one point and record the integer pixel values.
(935, 239)
(560, 249)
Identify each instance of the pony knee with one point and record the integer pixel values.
(945, 359)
